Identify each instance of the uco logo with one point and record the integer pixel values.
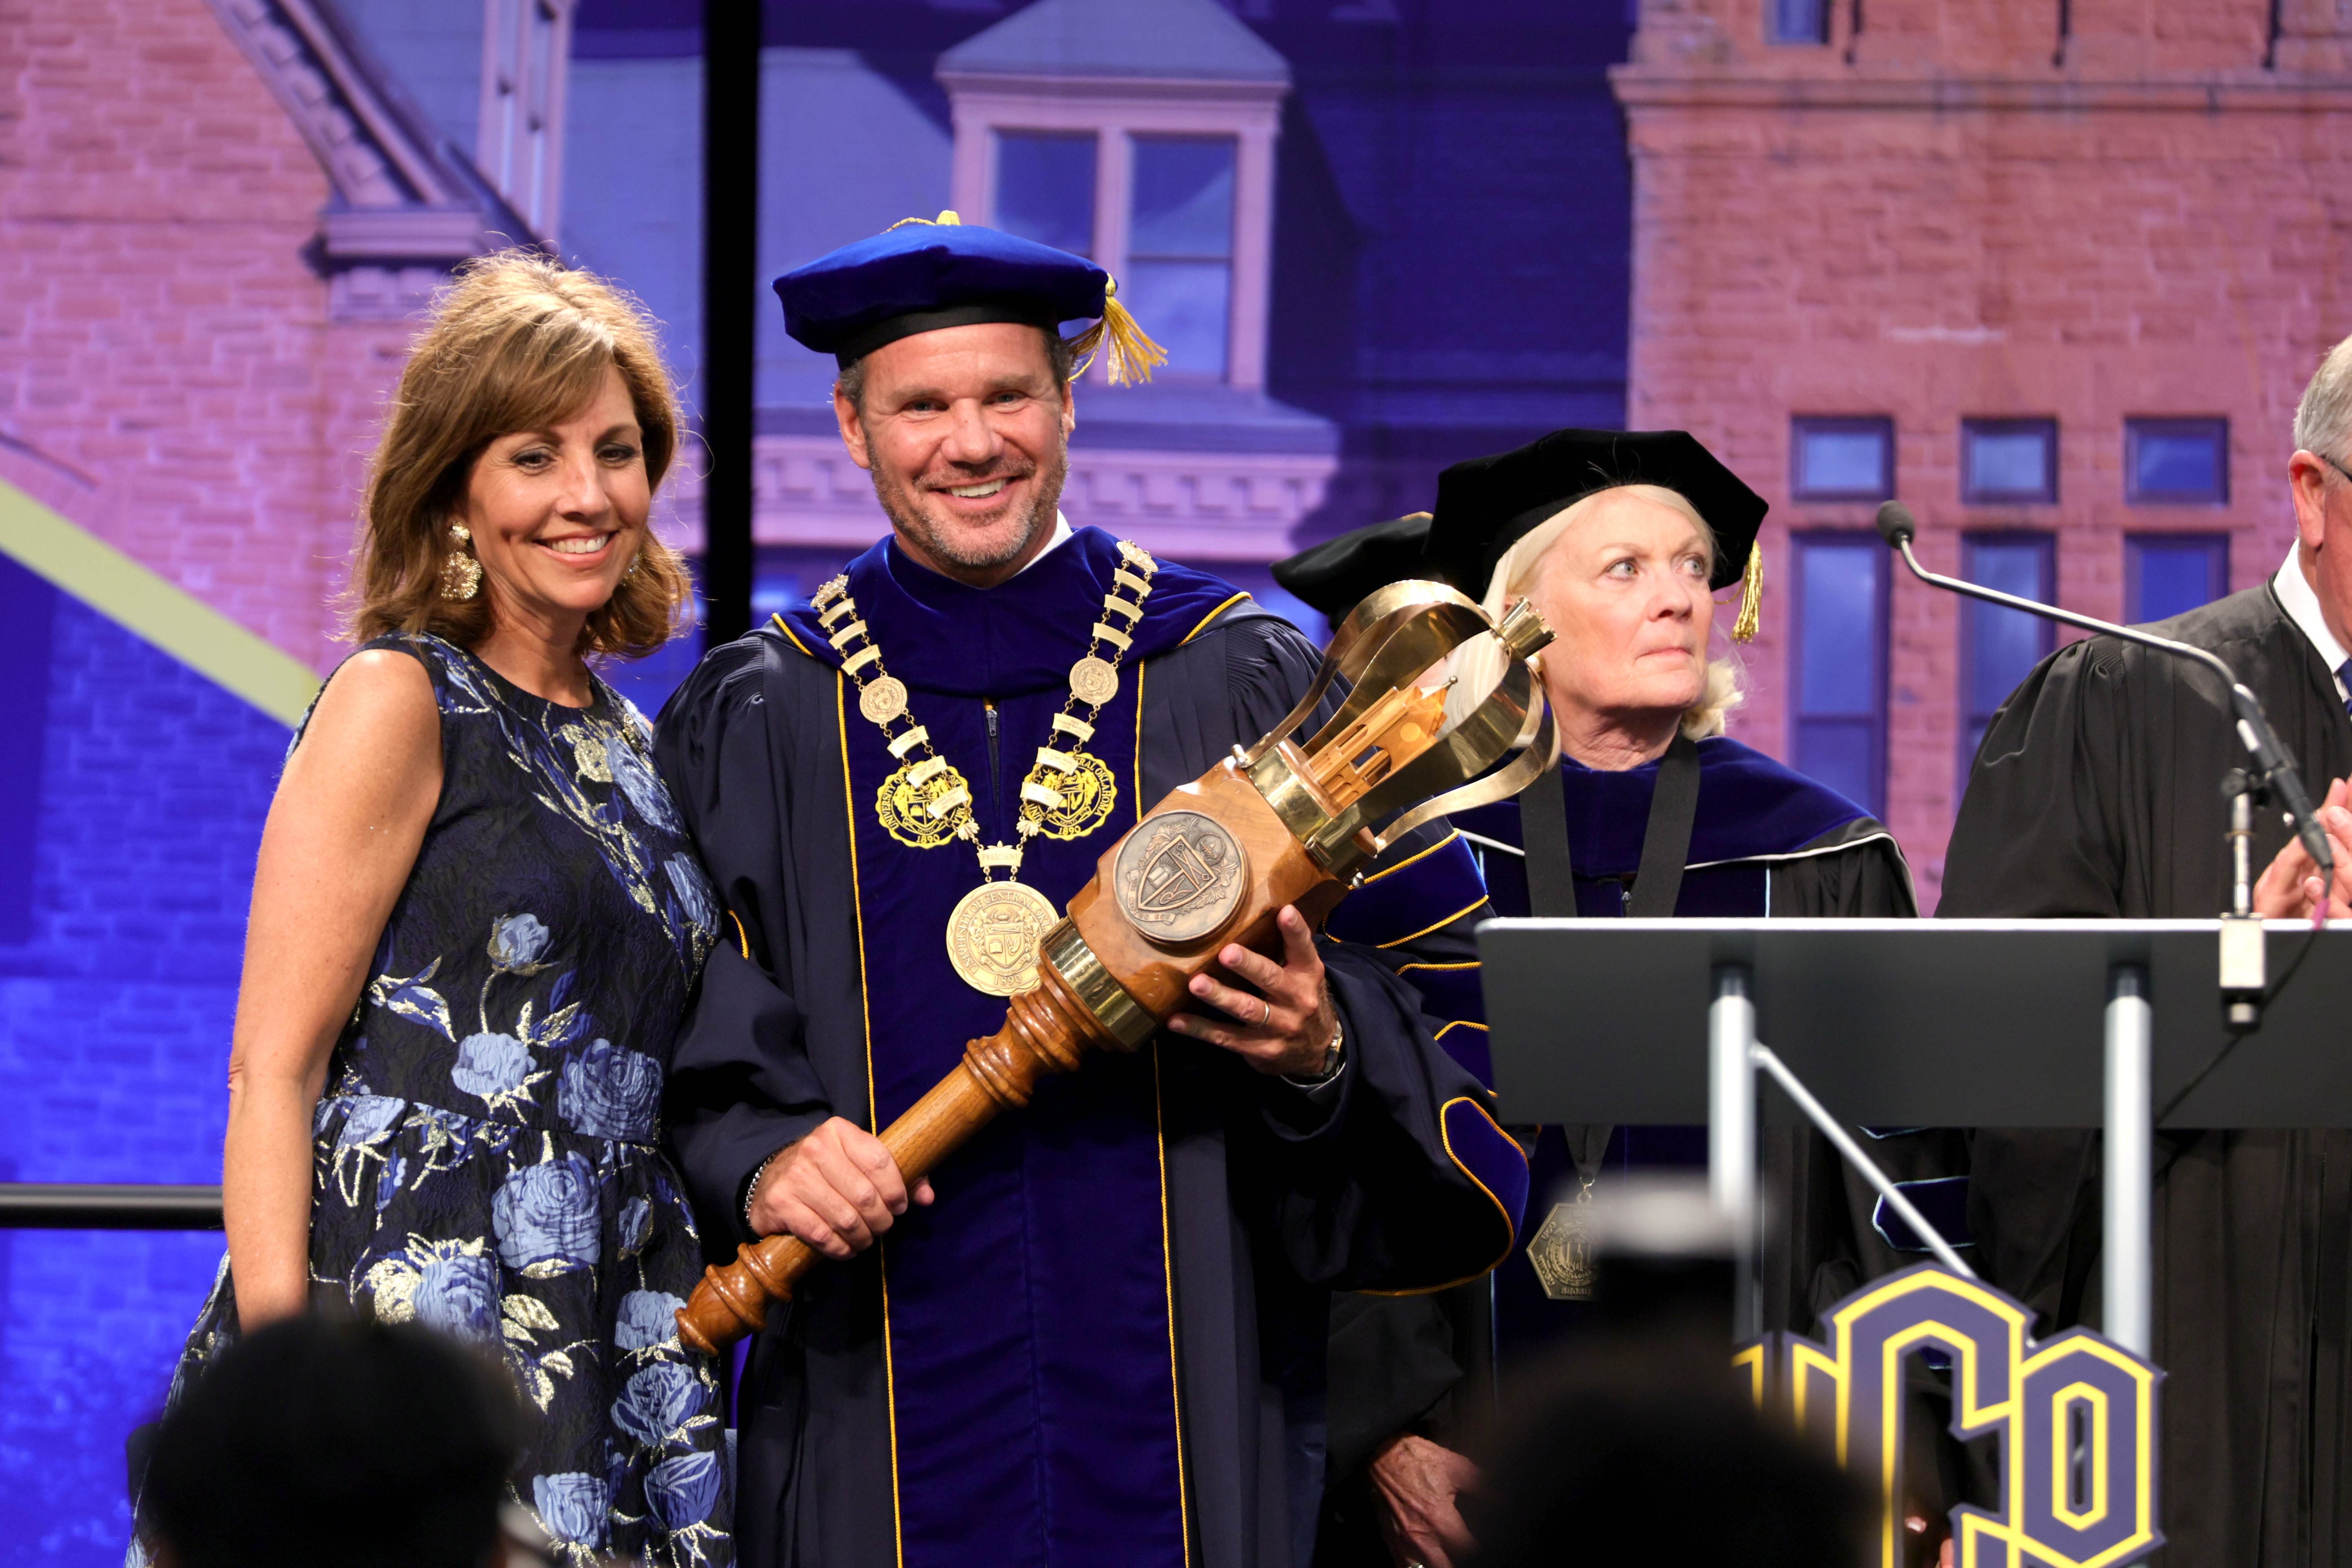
(2075, 1416)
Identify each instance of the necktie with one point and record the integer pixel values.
(2343, 682)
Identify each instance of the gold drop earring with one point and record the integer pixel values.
(461, 574)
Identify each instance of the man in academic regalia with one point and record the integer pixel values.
(1622, 537)
(2097, 792)
(1096, 1334)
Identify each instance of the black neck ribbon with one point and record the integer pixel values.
(1666, 841)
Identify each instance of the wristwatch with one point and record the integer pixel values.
(1334, 1054)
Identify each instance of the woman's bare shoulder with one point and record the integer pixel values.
(379, 703)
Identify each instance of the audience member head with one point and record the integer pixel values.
(534, 417)
(356, 1444)
(1644, 1448)
(1641, 1444)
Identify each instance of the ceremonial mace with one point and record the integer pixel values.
(1213, 863)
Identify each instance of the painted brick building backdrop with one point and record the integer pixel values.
(2054, 270)
(216, 220)
(2120, 234)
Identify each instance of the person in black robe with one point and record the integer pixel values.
(1728, 832)
(1095, 1334)
(2097, 792)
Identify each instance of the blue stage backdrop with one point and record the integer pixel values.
(132, 792)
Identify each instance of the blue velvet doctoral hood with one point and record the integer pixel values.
(1749, 807)
(1017, 638)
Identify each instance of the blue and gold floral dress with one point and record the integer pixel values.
(487, 1154)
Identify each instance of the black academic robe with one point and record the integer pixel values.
(1766, 840)
(1103, 1341)
(2097, 792)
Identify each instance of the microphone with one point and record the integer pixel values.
(1899, 528)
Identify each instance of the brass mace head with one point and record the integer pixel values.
(1389, 750)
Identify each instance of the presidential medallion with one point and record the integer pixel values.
(1087, 791)
(1562, 1250)
(1093, 681)
(882, 699)
(904, 806)
(1180, 876)
(994, 935)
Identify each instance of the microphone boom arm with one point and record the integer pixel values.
(2271, 760)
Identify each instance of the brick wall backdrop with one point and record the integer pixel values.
(1932, 220)
(168, 372)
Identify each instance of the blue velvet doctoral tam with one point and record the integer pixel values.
(1103, 1343)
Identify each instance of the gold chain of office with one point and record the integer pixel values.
(994, 932)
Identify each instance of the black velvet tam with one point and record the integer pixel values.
(1333, 575)
(1486, 505)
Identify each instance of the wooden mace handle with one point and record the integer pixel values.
(1049, 1029)
(1046, 1030)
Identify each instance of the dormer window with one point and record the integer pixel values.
(1148, 147)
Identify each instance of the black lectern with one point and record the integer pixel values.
(1917, 1023)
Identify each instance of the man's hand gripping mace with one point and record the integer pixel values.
(1213, 863)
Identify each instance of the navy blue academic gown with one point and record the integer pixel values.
(1103, 1343)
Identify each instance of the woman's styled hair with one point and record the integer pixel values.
(1478, 664)
(516, 343)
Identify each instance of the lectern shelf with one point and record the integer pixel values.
(1906, 1022)
(1916, 1024)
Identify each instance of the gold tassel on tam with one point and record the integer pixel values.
(947, 219)
(1751, 595)
(1132, 354)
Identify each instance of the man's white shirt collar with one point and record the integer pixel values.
(1062, 532)
(2302, 605)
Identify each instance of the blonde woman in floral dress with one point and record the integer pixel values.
(477, 921)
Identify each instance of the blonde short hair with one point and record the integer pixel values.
(1477, 665)
(516, 342)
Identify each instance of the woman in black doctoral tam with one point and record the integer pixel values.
(1620, 540)
(2096, 792)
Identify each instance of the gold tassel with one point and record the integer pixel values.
(947, 219)
(1751, 595)
(1132, 354)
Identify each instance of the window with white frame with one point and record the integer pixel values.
(1175, 269)
(525, 45)
(1169, 186)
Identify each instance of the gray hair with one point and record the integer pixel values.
(2324, 417)
(1060, 353)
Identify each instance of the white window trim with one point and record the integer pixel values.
(1117, 110)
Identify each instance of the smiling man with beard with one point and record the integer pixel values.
(1097, 1334)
